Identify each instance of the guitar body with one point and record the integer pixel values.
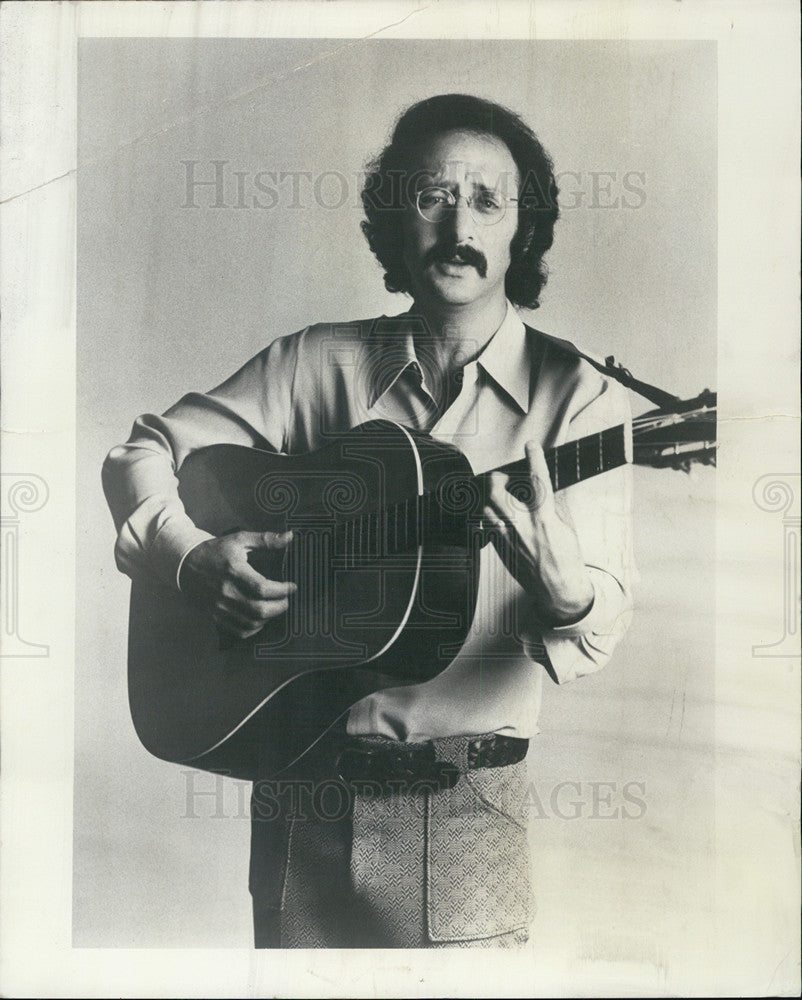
(383, 599)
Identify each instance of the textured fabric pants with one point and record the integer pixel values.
(333, 866)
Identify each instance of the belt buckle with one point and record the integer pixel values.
(355, 765)
(351, 754)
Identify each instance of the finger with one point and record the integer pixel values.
(495, 524)
(251, 584)
(240, 631)
(233, 619)
(511, 550)
(232, 601)
(250, 540)
(250, 618)
(542, 492)
(262, 611)
(236, 625)
(502, 537)
(270, 539)
(497, 497)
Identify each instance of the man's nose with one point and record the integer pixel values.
(462, 221)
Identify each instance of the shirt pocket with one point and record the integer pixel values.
(477, 870)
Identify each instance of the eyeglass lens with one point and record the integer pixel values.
(435, 203)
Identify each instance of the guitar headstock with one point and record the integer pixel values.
(678, 436)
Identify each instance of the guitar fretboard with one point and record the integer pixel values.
(574, 461)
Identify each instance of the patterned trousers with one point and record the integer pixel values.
(333, 866)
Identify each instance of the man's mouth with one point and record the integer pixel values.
(456, 259)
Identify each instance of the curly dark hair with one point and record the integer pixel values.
(385, 190)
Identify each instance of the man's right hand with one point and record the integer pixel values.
(217, 575)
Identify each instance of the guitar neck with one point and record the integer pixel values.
(584, 458)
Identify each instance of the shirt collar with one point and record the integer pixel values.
(392, 353)
(505, 357)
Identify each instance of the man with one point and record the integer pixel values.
(460, 209)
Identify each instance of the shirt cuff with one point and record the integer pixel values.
(156, 539)
(177, 538)
(583, 647)
(192, 548)
(607, 596)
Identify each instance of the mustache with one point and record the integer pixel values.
(445, 253)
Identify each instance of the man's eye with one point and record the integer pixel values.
(489, 203)
(428, 199)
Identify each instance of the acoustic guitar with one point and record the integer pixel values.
(387, 533)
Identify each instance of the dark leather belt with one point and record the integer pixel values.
(412, 766)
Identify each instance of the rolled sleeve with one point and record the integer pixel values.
(584, 647)
(609, 601)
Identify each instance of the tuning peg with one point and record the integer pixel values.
(706, 398)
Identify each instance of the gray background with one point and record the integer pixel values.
(172, 298)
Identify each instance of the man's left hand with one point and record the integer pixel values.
(538, 544)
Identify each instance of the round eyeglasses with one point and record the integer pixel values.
(487, 207)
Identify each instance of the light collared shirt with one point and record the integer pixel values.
(329, 378)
